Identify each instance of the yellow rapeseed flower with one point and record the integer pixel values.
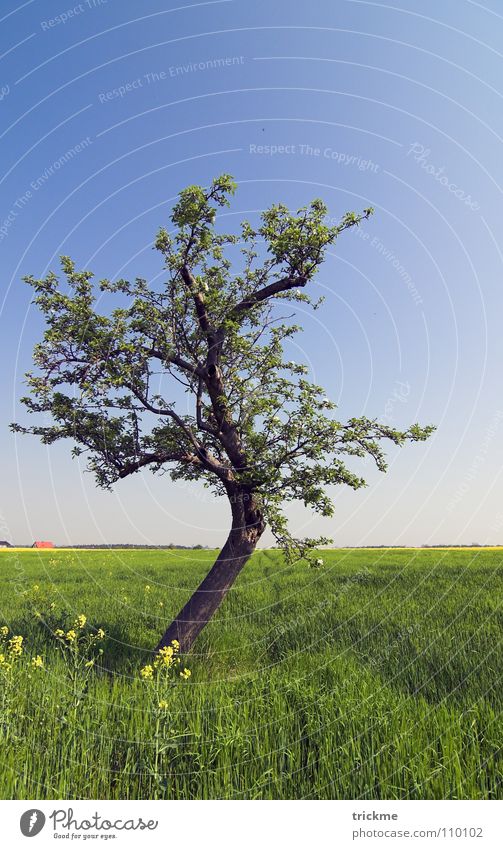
(147, 588)
(16, 646)
(37, 662)
(163, 704)
(175, 644)
(147, 672)
(59, 632)
(4, 631)
(100, 634)
(80, 621)
(166, 651)
(71, 636)
(186, 673)
(4, 663)
(164, 657)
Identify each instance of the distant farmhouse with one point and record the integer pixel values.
(5, 544)
(43, 544)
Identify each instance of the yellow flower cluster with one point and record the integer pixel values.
(165, 657)
(5, 664)
(147, 672)
(16, 646)
(37, 662)
(11, 649)
(163, 705)
(72, 636)
(165, 660)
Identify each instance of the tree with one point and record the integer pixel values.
(258, 432)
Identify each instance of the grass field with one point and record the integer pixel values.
(377, 676)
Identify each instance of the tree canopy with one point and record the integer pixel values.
(252, 420)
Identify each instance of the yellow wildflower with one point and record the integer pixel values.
(16, 646)
(163, 704)
(186, 673)
(89, 664)
(59, 632)
(4, 631)
(80, 621)
(175, 644)
(37, 662)
(164, 657)
(100, 634)
(166, 651)
(147, 672)
(71, 636)
(147, 588)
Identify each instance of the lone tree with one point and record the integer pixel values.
(258, 431)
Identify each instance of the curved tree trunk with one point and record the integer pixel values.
(247, 527)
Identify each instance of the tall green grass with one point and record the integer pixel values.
(377, 676)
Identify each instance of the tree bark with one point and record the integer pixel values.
(248, 526)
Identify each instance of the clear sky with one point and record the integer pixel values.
(108, 109)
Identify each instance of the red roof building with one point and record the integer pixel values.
(43, 544)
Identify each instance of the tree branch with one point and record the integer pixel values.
(269, 291)
(198, 299)
(190, 368)
(156, 457)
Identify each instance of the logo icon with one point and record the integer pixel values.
(32, 822)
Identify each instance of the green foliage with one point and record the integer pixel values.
(257, 423)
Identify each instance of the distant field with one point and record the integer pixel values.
(375, 676)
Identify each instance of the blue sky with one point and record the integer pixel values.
(108, 109)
